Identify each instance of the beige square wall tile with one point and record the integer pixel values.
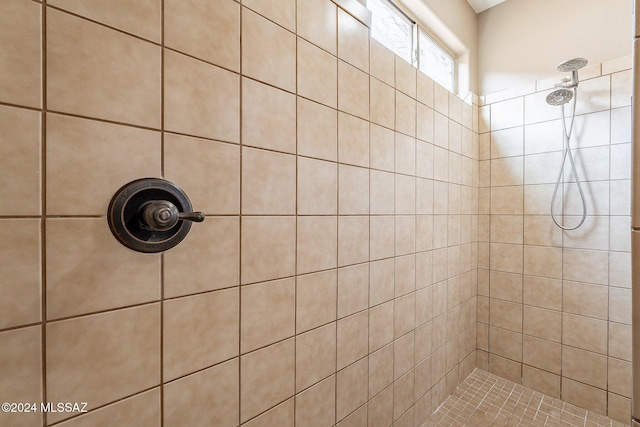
(70, 140)
(406, 155)
(268, 117)
(353, 289)
(380, 369)
(200, 331)
(353, 240)
(352, 338)
(82, 251)
(620, 306)
(275, 301)
(505, 343)
(406, 78)
(282, 12)
(316, 407)
(141, 18)
(382, 281)
(317, 130)
(618, 407)
(208, 397)
(542, 323)
(317, 74)
(353, 190)
(585, 299)
(317, 23)
(425, 90)
(542, 354)
(267, 377)
(543, 261)
(316, 299)
(405, 114)
(86, 76)
(403, 354)
(268, 52)
(200, 99)
(21, 373)
(353, 41)
(382, 146)
(141, 409)
(268, 248)
(353, 87)
(317, 187)
(543, 381)
(208, 171)
(506, 257)
(19, 161)
(585, 333)
(506, 315)
(382, 62)
(505, 368)
(543, 292)
(115, 355)
(21, 81)
(506, 286)
(619, 339)
(619, 376)
(404, 319)
(315, 355)
(585, 396)
(405, 275)
(207, 30)
(353, 140)
(382, 103)
(382, 192)
(507, 200)
(585, 266)
(317, 243)
(351, 388)
(382, 237)
(20, 266)
(356, 418)
(268, 183)
(381, 325)
(197, 266)
(281, 415)
(584, 366)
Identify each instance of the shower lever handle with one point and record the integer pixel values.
(162, 215)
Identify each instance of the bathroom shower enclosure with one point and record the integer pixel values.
(369, 240)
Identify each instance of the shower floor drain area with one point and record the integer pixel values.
(486, 400)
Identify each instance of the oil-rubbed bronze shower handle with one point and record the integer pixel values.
(162, 215)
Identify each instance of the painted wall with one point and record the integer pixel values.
(523, 40)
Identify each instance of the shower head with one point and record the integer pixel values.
(559, 96)
(573, 64)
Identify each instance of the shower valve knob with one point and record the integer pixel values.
(162, 215)
(151, 215)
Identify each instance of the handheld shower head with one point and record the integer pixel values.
(559, 96)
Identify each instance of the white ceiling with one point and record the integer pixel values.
(480, 5)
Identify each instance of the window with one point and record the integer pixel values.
(395, 30)
(435, 62)
(391, 28)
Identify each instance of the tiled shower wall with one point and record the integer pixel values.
(554, 307)
(334, 278)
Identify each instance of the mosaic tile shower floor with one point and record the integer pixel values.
(486, 400)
